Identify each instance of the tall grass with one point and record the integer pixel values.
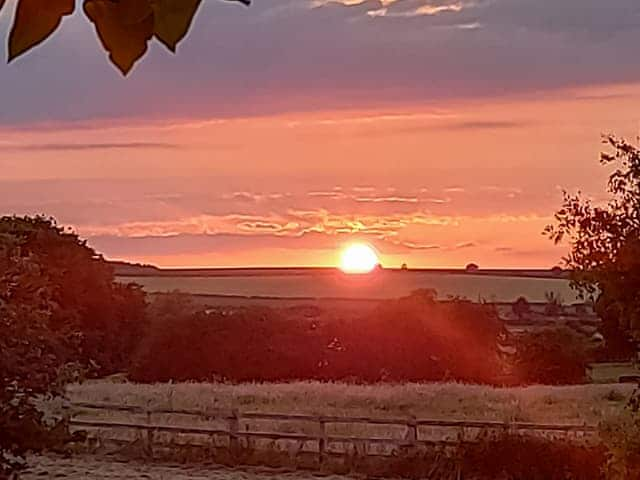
(563, 404)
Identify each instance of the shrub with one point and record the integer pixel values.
(409, 339)
(551, 356)
(519, 457)
(521, 307)
(622, 437)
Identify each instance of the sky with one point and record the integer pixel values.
(440, 132)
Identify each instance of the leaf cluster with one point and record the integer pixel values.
(124, 27)
(604, 238)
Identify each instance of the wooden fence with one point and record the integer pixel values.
(236, 420)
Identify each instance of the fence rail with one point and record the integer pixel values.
(235, 419)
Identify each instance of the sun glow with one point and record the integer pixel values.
(358, 258)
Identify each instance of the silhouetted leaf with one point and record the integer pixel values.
(35, 20)
(133, 12)
(124, 26)
(124, 29)
(172, 19)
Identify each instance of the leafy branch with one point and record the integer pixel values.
(124, 27)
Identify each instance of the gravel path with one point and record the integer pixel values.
(93, 468)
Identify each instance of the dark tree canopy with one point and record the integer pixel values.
(124, 27)
(605, 243)
(59, 305)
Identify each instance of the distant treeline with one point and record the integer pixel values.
(126, 269)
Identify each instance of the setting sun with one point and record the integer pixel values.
(358, 258)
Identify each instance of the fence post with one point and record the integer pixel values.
(149, 435)
(322, 440)
(234, 428)
(412, 432)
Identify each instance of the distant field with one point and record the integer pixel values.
(545, 404)
(381, 285)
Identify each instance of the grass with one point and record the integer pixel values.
(611, 372)
(541, 404)
(544, 404)
(91, 467)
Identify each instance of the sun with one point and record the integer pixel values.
(358, 258)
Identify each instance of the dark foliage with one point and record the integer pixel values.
(521, 457)
(521, 307)
(621, 435)
(124, 27)
(410, 339)
(551, 357)
(59, 305)
(605, 247)
(52, 269)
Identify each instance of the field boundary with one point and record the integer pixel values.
(237, 427)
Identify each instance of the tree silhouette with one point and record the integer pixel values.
(59, 305)
(605, 246)
(124, 27)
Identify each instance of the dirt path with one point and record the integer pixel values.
(94, 468)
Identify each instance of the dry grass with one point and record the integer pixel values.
(88, 467)
(567, 404)
(543, 404)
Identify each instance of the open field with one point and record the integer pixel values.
(379, 285)
(570, 404)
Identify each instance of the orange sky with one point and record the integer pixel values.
(439, 184)
(442, 132)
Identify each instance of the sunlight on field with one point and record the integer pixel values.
(570, 404)
(378, 285)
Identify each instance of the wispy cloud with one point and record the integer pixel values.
(427, 9)
(460, 246)
(387, 199)
(484, 125)
(419, 246)
(58, 147)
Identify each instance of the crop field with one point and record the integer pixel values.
(379, 285)
(564, 404)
